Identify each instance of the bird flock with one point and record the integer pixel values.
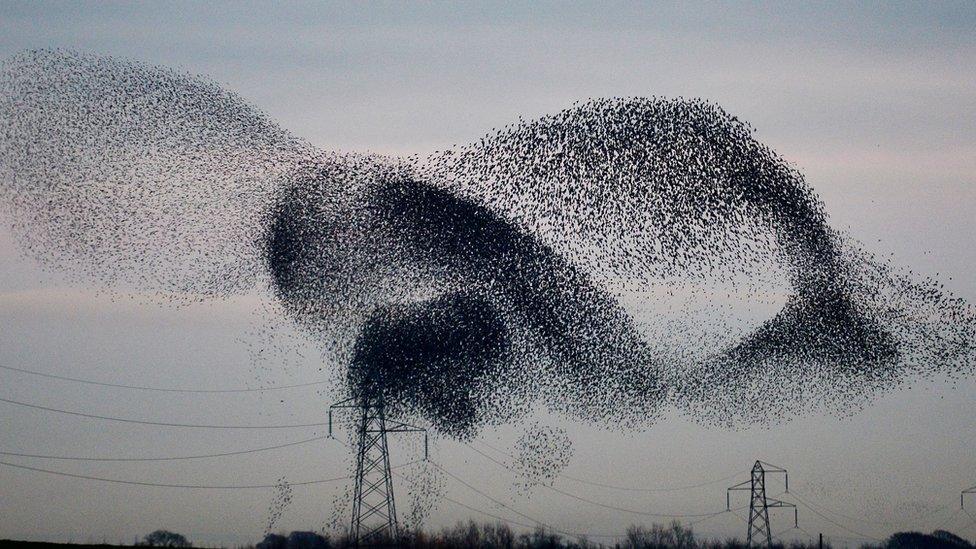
(542, 453)
(282, 498)
(542, 265)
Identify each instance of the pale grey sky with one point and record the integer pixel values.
(874, 102)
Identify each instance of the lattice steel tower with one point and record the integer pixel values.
(373, 506)
(759, 503)
(373, 496)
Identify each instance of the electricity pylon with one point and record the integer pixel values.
(373, 506)
(759, 503)
(962, 496)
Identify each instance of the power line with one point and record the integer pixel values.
(159, 389)
(597, 503)
(167, 458)
(651, 490)
(701, 520)
(630, 488)
(488, 514)
(497, 502)
(779, 535)
(540, 523)
(809, 535)
(972, 519)
(163, 485)
(948, 520)
(632, 511)
(158, 423)
(450, 500)
(738, 516)
(835, 523)
(516, 511)
(485, 495)
(185, 486)
(876, 522)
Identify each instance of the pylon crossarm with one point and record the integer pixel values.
(786, 505)
(401, 427)
(770, 468)
(405, 430)
(350, 402)
(406, 427)
(747, 485)
(962, 496)
(347, 403)
(777, 503)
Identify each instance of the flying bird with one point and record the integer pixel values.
(473, 283)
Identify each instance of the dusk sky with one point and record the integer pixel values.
(875, 103)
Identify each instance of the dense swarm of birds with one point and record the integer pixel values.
(341, 509)
(541, 455)
(283, 495)
(472, 284)
(425, 489)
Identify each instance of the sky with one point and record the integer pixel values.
(875, 103)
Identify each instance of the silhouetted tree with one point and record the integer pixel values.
(658, 537)
(307, 540)
(541, 539)
(272, 541)
(939, 539)
(165, 538)
(295, 540)
(952, 538)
